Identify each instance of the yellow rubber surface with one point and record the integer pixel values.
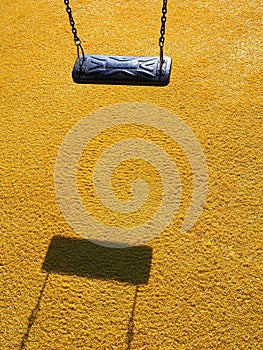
(205, 286)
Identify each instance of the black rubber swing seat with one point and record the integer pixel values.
(122, 70)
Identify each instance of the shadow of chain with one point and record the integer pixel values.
(33, 316)
(131, 321)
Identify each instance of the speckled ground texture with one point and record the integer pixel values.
(204, 289)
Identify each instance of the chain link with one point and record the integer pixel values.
(162, 32)
(77, 40)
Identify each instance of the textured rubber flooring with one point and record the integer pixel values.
(196, 290)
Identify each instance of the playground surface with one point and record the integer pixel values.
(194, 290)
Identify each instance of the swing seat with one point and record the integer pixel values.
(122, 70)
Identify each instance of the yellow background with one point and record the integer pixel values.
(205, 286)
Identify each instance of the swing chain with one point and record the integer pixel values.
(80, 50)
(162, 32)
(77, 40)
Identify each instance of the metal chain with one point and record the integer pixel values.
(77, 40)
(162, 32)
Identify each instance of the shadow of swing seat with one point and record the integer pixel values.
(79, 257)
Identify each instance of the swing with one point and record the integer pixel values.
(121, 70)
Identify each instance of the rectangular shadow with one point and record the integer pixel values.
(80, 257)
